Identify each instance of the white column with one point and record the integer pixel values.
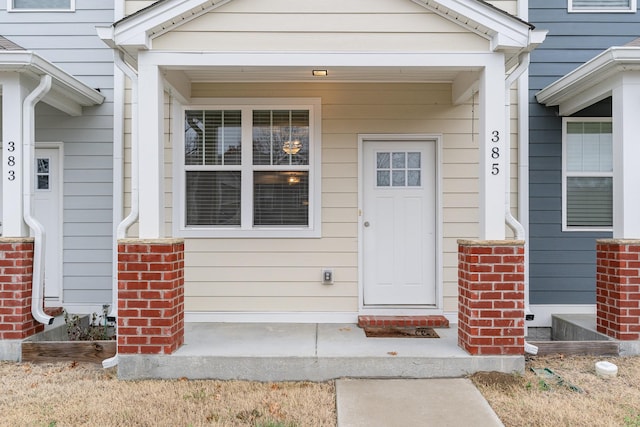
(13, 94)
(151, 155)
(493, 143)
(626, 153)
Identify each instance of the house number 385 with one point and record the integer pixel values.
(11, 161)
(495, 152)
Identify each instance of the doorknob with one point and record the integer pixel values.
(366, 223)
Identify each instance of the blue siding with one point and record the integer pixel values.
(562, 264)
(69, 40)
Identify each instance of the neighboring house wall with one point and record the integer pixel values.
(69, 40)
(563, 264)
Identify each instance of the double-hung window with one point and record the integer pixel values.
(41, 5)
(602, 5)
(587, 174)
(251, 170)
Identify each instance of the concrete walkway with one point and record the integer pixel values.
(407, 403)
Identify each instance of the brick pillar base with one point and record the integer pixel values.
(150, 296)
(491, 297)
(618, 288)
(16, 275)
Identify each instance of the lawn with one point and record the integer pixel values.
(71, 394)
(536, 400)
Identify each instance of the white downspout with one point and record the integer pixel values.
(121, 231)
(513, 223)
(28, 158)
(126, 223)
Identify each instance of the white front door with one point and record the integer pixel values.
(47, 210)
(399, 223)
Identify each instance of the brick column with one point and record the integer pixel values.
(491, 297)
(150, 296)
(16, 275)
(618, 288)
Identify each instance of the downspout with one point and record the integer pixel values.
(121, 231)
(511, 221)
(514, 225)
(126, 223)
(28, 156)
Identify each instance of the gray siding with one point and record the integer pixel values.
(562, 264)
(69, 40)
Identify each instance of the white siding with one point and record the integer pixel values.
(69, 40)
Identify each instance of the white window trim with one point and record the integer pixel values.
(566, 120)
(10, 8)
(246, 231)
(632, 9)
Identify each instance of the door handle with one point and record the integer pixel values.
(366, 223)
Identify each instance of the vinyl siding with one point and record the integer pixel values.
(284, 274)
(328, 26)
(562, 264)
(69, 40)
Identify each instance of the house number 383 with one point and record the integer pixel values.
(495, 152)
(11, 161)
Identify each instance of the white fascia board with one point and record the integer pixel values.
(68, 94)
(138, 29)
(586, 82)
(504, 31)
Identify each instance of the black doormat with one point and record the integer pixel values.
(400, 332)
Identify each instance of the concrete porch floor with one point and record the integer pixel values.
(309, 351)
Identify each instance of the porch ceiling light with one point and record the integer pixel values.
(319, 73)
(291, 147)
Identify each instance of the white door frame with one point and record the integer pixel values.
(60, 247)
(401, 310)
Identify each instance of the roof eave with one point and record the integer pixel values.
(68, 93)
(605, 65)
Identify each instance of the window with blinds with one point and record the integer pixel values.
(247, 168)
(602, 5)
(588, 173)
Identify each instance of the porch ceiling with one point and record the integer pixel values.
(334, 74)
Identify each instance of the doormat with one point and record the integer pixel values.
(399, 332)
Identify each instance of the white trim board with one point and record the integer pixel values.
(543, 312)
(285, 317)
(270, 317)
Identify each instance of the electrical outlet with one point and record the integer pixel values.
(327, 276)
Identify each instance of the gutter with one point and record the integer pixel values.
(118, 158)
(28, 156)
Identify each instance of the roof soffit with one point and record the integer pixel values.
(506, 32)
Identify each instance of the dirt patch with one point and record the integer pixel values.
(499, 381)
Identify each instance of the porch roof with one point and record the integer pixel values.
(67, 94)
(505, 31)
(593, 81)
